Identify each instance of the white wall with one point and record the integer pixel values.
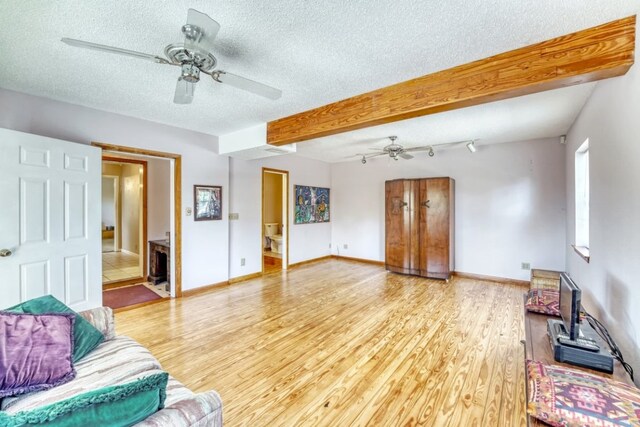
(307, 241)
(610, 281)
(108, 202)
(509, 201)
(204, 258)
(131, 207)
(159, 202)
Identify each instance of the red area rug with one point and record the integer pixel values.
(130, 295)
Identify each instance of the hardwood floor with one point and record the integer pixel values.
(340, 343)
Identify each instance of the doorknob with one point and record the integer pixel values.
(5, 253)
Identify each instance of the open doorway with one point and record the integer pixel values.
(124, 221)
(137, 207)
(173, 240)
(275, 220)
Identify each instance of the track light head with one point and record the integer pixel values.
(431, 152)
(364, 160)
(471, 146)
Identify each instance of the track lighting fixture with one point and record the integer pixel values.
(471, 146)
(431, 152)
(364, 160)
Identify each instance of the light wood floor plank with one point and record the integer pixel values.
(341, 343)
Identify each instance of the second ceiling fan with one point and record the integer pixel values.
(194, 57)
(396, 151)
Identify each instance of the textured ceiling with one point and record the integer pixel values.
(316, 52)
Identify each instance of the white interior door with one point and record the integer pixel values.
(50, 239)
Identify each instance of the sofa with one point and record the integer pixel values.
(119, 360)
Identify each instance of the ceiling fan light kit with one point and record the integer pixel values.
(193, 57)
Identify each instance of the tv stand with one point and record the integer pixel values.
(536, 347)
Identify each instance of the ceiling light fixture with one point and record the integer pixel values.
(472, 147)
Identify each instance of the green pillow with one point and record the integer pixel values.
(114, 406)
(85, 336)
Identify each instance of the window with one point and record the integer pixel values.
(582, 200)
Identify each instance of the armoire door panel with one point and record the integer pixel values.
(436, 241)
(397, 224)
(423, 232)
(413, 187)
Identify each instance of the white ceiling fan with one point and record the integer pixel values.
(396, 151)
(194, 56)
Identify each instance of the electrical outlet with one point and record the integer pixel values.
(234, 216)
(526, 266)
(345, 246)
(242, 262)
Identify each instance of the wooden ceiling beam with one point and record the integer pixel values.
(585, 56)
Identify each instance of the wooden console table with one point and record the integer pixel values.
(159, 262)
(538, 348)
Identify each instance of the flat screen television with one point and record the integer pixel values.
(570, 296)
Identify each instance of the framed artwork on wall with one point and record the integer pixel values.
(207, 202)
(312, 204)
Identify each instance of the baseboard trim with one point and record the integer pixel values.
(491, 279)
(309, 261)
(204, 289)
(245, 277)
(128, 252)
(363, 260)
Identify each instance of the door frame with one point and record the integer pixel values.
(285, 220)
(177, 200)
(143, 221)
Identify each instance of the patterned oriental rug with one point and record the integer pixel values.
(130, 295)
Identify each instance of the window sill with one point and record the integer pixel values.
(582, 251)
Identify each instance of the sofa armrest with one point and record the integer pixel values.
(102, 319)
(199, 410)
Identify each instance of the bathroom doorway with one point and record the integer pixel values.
(275, 220)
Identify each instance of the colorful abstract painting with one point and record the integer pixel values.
(312, 204)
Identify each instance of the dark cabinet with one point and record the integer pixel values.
(419, 221)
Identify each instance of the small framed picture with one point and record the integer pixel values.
(207, 202)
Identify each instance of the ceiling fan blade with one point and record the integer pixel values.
(116, 50)
(200, 31)
(246, 84)
(405, 156)
(184, 92)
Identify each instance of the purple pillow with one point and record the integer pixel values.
(36, 351)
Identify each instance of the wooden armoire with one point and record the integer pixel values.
(419, 226)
